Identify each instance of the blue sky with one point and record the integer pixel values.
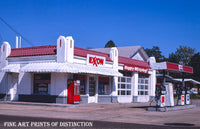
(163, 23)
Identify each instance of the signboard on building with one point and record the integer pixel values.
(136, 69)
(95, 60)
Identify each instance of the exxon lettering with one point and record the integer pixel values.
(96, 61)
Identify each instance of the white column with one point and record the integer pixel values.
(4, 53)
(110, 85)
(115, 86)
(61, 49)
(152, 86)
(134, 80)
(70, 49)
(87, 85)
(152, 83)
(96, 89)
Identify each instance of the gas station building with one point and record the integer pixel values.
(41, 74)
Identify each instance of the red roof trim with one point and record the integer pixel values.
(33, 51)
(83, 53)
(133, 62)
(50, 50)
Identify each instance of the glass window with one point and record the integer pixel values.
(123, 92)
(41, 84)
(146, 81)
(92, 86)
(82, 79)
(129, 80)
(124, 86)
(143, 84)
(128, 92)
(123, 79)
(119, 86)
(139, 80)
(104, 88)
(119, 92)
(128, 86)
(119, 79)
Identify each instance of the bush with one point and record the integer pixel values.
(194, 96)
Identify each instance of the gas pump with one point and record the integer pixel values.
(73, 91)
(180, 95)
(187, 95)
(160, 95)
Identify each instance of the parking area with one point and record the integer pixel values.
(112, 112)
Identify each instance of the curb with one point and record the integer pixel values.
(170, 108)
(40, 104)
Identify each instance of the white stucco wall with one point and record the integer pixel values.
(59, 83)
(134, 80)
(25, 83)
(138, 57)
(2, 83)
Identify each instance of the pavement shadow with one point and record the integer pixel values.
(179, 124)
(142, 107)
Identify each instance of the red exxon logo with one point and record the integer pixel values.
(96, 61)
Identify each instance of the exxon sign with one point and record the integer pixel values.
(180, 67)
(95, 60)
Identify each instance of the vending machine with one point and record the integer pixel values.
(73, 91)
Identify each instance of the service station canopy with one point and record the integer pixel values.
(172, 67)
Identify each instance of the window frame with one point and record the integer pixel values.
(124, 87)
(143, 84)
(39, 83)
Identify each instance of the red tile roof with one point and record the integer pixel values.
(51, 50)
(83, 53)
(33, 51)
(133, 62)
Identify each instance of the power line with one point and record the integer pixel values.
(9, 26)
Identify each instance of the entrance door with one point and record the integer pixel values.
(92, 90)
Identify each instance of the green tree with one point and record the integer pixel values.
(195, 63)
(110, 44)
(173, 58)
(182, 55)
(155, 51)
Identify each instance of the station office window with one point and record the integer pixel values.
(104, 88)
(41, 83)
(92, 85)
(143, 84)
(82, 79)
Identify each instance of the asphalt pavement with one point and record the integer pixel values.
(105, 115)
(13, 122)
